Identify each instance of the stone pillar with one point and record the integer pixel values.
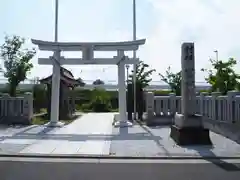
(54, 118)
(4, 105)
(28, 107)
(202, 103)
(214, 115)
(231, 106)
(188, 80)
(149, 107)
(173, 108)
(188, 127)
(122, 120)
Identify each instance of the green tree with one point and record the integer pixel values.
(100, 100)
(81, 82)
(143, 74)
(40, 96)
(16, 61)
(98, 82)
(221, 76)
(173, 80)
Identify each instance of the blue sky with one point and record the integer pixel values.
(211, 24)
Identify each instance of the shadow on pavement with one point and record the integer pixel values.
(213, 158)
(26, 129)
(123, 131)
(156, 139)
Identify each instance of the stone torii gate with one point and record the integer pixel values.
(87, 50)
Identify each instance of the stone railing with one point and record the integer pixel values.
(214, 107)
(16, 110)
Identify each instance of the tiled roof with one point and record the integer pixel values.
(66, 75)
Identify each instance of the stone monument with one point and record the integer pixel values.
(188, 127)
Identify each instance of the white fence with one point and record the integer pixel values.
(16, 109)
(214, 107)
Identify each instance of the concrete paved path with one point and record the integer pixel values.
(143, 141)
(93, 134)
(71, 139)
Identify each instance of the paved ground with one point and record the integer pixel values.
(69, 169)
(75, 138)
(153, 142)
(93, 134)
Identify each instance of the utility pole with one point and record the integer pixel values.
(55, 78)
(134, 66)
(216, 51)
(56, 21)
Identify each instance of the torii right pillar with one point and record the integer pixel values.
(188, 127)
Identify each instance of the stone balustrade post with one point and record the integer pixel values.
(17, 106)
(231, 106)
(10, 106)
(202, 103)
(173, 108)
(150, 105)
(214, 115)
(28, 105)
(5, 98)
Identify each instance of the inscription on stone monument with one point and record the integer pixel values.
(188, 75)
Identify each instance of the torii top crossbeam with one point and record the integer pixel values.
(95, 46)
(88, 49)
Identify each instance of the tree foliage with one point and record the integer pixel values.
(39, 96)
(173, 80)
(16, 61)
(143, 74)
(81, 82)
(221, 76)
(100, 100)
(98, 82)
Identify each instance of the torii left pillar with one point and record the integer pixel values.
(54, 117)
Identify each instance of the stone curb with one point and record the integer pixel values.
(74, 156)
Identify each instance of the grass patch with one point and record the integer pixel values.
(42, 119)
(114, 110)
(39, 120)
(85, 110)
(43, 110)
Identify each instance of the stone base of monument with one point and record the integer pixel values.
(155, 120)
(117, 122)
(189, 131)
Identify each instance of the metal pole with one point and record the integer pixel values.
(216, 51)
(127, 67)
(56, 21)
(55, 78)
(134, 56)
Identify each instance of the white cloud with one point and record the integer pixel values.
(210, 24)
